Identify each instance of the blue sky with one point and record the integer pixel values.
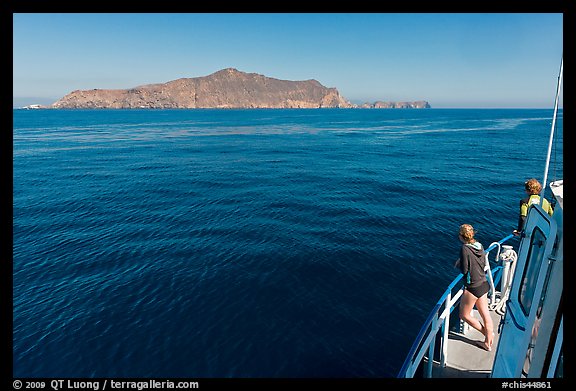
(450, 60)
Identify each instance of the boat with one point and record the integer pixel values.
(525, 302)
(33, 107)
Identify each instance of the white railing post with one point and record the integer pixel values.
(506, 270)
(428, 372)
(446, 328)
(488, 271)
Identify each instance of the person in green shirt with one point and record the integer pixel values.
(533, 189)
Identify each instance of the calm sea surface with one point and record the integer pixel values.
(251, 243)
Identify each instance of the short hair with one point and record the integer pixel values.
(533, 186)
(467, 232)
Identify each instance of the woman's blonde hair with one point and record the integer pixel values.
(467, 232)
(533, 186)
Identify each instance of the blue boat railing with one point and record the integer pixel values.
(440, 322)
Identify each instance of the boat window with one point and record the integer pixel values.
(532, 269)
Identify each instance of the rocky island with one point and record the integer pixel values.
(421, 104)
(228, 88)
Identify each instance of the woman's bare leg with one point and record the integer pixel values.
(466, 305)
(482, 306)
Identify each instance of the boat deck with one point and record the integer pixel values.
(466, 356)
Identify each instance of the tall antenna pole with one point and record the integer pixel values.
(551, 134)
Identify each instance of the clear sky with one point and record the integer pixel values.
(450, 60)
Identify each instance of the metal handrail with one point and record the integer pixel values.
(425, 337)
(501, 241)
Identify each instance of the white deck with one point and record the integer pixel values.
(558, 191)
(466, 357)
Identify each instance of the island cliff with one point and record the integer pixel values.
(228, 88)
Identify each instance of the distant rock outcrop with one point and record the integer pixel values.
(421, 104)
(228, 88)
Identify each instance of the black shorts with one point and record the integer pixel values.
(479, 290)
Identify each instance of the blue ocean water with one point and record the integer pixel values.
(251, 243)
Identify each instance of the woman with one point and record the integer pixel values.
(471, 263)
